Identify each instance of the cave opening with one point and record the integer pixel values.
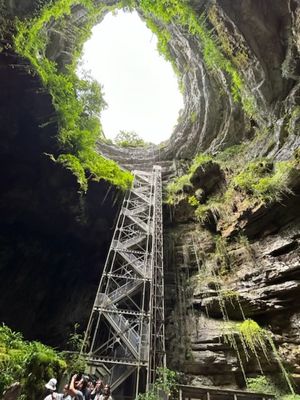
(140, 87)
(54, 240)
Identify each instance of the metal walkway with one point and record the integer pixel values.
(125, 334)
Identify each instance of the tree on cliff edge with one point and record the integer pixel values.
(129, 139)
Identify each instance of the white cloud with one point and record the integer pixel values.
(140, 87)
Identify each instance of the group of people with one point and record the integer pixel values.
(80, 388)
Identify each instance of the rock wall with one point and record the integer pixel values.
(54, 241)
(262, 44)
(217, 278)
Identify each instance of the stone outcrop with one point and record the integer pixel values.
(208, 177)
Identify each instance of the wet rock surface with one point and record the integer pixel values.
(262, 283)
(54, 240)
(261, 43)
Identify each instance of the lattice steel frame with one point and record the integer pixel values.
(157, 352)
(125, 333)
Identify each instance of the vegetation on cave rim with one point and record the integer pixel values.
(237, 53)
(129, 139)
(77, 102)
(262, 180)
(229, 159)
(181, 13)
(177, 189)
(79, 126)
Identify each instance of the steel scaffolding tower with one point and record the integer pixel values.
(125, 333)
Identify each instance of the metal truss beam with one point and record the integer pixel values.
(125, 333)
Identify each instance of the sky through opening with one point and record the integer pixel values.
(140, 87)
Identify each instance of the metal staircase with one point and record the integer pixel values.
(125, 334)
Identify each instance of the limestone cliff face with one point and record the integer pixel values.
(261, 283)
(262, 44)
(54, 240)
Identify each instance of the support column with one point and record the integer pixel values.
(125, 333)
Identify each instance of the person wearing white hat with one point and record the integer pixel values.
(53, 395)
(51, 387)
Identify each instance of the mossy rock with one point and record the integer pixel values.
(209, 177)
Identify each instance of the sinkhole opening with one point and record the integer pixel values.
(140, 87)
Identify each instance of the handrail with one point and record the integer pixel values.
(188, 392)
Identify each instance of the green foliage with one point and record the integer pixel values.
(212, 208)
(97, 165)
(248, 103)
(253, 336)
(75, 362)
(166, 380)
(237, 52)
(256, 340)
(129, 139)
(77, 102)
(176, 189)
(222, 254)
(75, 339)
(261, 180)
(293, 121)
(193, 117)
(202, 213)
(180, 13)
(232, 157)
(73, 164)
(199, 160)
(229, 294)
(163, 38)
(90, 94)
(163, 386)
(30, 363)
(192, 200)
(264, 180)
(252, 174)
(261, 384)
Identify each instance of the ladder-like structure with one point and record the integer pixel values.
(125, 334)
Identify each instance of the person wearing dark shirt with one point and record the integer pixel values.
(77, 387)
